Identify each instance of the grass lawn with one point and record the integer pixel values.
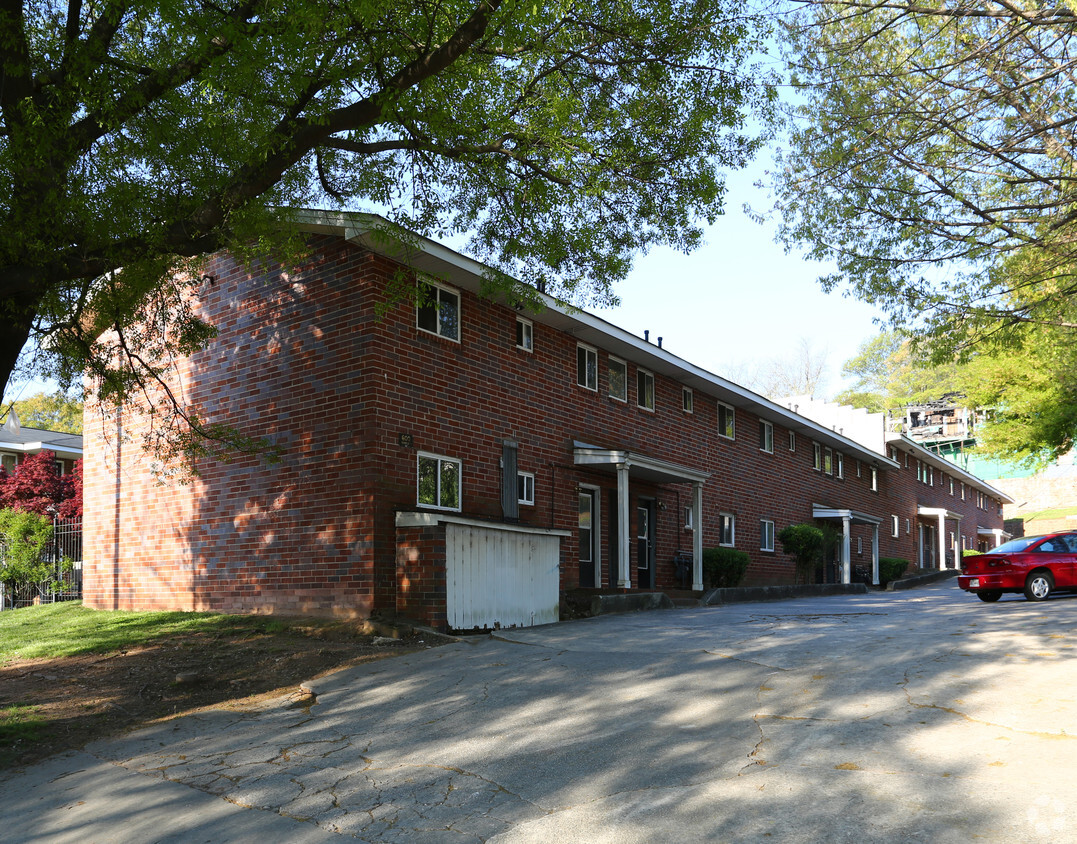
(70, 675)
(68, 629)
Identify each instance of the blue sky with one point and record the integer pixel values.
(740, 297)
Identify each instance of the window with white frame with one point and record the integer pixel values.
(895, 526)
(839, 464)
(816, 457)
(726, 529)
(858, 468)
(908, 526)
(525, 487)
(438, 482)
(828, 461)
(766, 535)
(687, 399)
(8, 462)
(525, 334)
(587, 367)
(438, 310)
(792, 441)
(617, 375)
(766, 436)
(689, 518)
(874, 479)
(951, 486)
(860, 545)
(644, 389)
(726, 421)
(962, 490)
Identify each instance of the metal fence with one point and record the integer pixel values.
(63, 556)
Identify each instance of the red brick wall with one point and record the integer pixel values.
(302, 357)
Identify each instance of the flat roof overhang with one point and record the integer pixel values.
(640, 465)
(63, 452)
(935, 512)
(819, 511)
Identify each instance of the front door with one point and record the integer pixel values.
(645, 555)
(588, 536)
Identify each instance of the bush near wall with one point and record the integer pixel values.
(891, 568)
(724, 568)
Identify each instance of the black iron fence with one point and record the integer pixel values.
(63, 558)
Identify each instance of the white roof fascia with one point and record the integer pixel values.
(933, 459)
(357, 227)
(64, 452)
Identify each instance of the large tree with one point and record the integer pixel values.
(931, 161)
(562, 136)
(932, 141)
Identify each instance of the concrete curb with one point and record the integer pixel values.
(742, 594)
(629, 602)
(921, 580)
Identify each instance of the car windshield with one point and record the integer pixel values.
(1022, 543)
(1019, 544)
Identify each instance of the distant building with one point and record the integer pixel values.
(18, 442)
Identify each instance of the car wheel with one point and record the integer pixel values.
(1039, 585)
(989, 596)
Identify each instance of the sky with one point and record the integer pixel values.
(740, 298)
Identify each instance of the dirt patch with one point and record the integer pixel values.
(65, 703)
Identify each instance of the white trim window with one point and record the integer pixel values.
(896, 526)
(687, 399)
(792, 441)
(727, 421)
(766, 535)
(525, 334)
(438, 481)
(874, 479)
(727, 530)
(645, 389)
(525, 488)
(617, 376)
(817, 457)
(766, 436)
(438, 311)
(839, 465)
(689, 518)
(828, 461)
(587, 367)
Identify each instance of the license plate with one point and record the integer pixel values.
(974, 583)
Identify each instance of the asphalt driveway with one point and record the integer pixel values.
(916, 716)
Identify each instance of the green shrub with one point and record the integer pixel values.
(806, 543)
(891, 568)
(724, 567)
(970, 552)
(24, 537)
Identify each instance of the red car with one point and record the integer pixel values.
(1035, 565)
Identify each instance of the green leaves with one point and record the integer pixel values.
(563, 137)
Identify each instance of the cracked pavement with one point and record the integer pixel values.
(915, 716)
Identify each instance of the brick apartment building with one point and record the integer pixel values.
(466, 461)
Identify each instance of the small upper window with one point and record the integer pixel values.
(645, 389)
(816, 457)
(874, 479)
(525, 487)
(828, 461)
(766, 436)
(525, 334)
(587, 367)
(617, 374)
(689, 518)
(766, 535)
(438, 482)
(792, 441)
(839, 464)
(726, 421)
(438, 310)
(686, 399)
(726, 529)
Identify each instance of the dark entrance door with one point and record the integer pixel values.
(587, 537)
(645, 555)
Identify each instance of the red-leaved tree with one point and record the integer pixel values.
(36, 485)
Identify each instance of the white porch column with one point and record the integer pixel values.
(942, 541)
(624, 580)
(697, 537)
(846, 562)
(998, 536)
(875, 554)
